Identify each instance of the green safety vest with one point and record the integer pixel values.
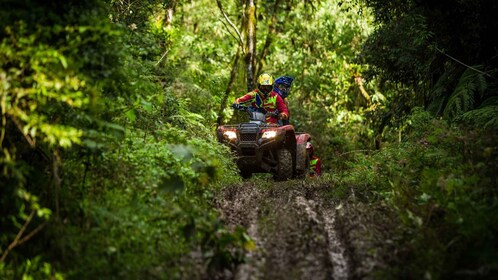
(269, 103)
(313, 166)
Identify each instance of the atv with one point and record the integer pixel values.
(266, 148)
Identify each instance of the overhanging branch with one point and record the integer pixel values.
(241, 42)
(458, 61)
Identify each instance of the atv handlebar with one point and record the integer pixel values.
(248, 108)
(254, 109)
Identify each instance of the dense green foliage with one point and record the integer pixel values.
(439, 182)
(318, 49)
(442, 53)
(109, 162)
(106, 172)
(438, 178)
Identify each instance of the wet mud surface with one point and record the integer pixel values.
(301, 234)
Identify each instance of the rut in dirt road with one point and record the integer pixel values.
(293, 227)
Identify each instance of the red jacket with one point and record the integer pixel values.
(271, 103)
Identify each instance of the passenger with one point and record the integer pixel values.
(282, 86)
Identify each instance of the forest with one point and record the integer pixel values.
(110, 167)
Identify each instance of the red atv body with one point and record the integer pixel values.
(266, 148)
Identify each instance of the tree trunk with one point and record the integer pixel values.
(56, 181)
(233, 76)
(168, 14)
(269, 38)
(250, 42)
(363, 92)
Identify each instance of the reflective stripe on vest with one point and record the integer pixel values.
(313, 166)
(270, 102)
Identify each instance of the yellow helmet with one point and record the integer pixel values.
(265, 84)
(265, 80)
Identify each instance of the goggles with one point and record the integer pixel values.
(265, 88)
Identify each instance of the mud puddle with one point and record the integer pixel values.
(296, 231)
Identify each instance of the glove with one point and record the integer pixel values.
(262, 110)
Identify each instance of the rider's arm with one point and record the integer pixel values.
(282, 108)
(247, 98)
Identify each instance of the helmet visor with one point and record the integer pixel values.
(284, 89)
(265, 89)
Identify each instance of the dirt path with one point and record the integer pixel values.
(300, 234)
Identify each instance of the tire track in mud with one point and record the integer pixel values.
(239, 207)
(293, 227)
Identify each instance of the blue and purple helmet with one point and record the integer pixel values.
(282, 85)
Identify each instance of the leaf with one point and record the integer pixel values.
(470, 86)
(250, 245)
(44, 212)
(181, 151)
(63, 61)
(114, 129)
(171, 184)
(147, 106)
(425, 197)
(131, 115)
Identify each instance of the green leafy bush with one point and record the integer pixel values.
(440, 182)
(107, 173)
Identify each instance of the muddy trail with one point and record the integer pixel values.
(301, 233)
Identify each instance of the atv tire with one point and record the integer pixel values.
(302, 161)
(284, 165)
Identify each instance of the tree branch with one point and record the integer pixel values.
(229, 32)
(458, 61)
(18, 237)
(30, 141)
(241, 42)
(159, 61)
(31, 234)
(3, 106)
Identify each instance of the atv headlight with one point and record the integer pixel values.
(230, 135)
(269, 134)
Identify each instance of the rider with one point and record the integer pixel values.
(264, 97)
(282, 86)
(315, 162)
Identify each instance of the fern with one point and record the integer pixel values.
(470, 85)
(485, 116)
(439, 91)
